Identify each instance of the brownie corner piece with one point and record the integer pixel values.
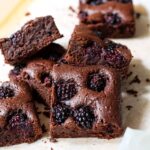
(30, 39)
(19, 121)
(108, 16)
(85, 102)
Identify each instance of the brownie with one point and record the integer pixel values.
(87, 48)
(30, 39)
(85, 102)
(107, 16)
(52, 52)
(37, 74)
(18, 118)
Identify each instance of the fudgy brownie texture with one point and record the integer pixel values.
(85, 102)
(87, 48)
(30, 39)
(110, 18)
(52, 52)
(18, 119)
(37, 74)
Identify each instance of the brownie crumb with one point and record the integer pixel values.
(129, 74)
(129, 107)
(147, 80)
(135, 80)
(53, 140)
(46, 114)
(39, 112)
(46, 108)
(72, 9)
(132, 92)
(27, 14)
(137, 15)
(44, 130)
(134, 65)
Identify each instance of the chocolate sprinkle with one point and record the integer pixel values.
(135, 80)
(72, 9)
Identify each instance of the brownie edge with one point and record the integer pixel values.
(30, 39)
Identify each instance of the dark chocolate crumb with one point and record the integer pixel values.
(53, 140)
(72, 9)
(132, 92)
(129, 74)
(27, 14)
(129, 107)
(137, 15)
(52, 148)
(44, 130)
(147, 80)
(135, 80)
(46, 114)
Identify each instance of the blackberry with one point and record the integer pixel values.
(46, 79)
(115, 59)
(95, 2)
(60, 113)
(6, 91)
(110, 46)
(112, 18)
(96, 81)
(65, 90)
(84, 117)
(125, 1)
(16, 118)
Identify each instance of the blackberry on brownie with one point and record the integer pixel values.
(93, 110)
(86, 48)
(18, 118)
(107, 16)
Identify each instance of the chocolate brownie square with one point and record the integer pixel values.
(85, 102)
(18, 118)
(52, 52)
(87, 48)
(37, 74)
(30, 39)
(112, 18)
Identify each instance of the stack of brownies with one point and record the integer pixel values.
(81, 86)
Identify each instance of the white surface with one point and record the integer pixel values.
(139, 116)
(135, 139)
